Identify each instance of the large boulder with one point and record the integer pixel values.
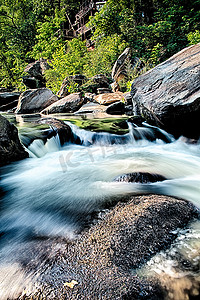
(32, 101)
(8, 100)
(35, 74)
(169, 94)
(101, 263)
(109, 98)
(70, 103)
(10, 146)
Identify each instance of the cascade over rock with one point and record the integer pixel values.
(32, 101)
(10, 146)
(169, 94)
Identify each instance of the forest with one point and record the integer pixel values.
(32, 29)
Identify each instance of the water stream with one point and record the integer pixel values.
(50, 193)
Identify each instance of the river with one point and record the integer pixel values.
(50, 194)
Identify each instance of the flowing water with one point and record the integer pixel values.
(50, 194)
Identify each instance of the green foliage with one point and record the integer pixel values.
(67, 60)
(103, 57)
(153, 29)
(49, 36)
(194, 37)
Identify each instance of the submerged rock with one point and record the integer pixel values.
(169, 94)
(33, 101)
(103, 260)
(70, 103)
(140, 177)
(10, 146)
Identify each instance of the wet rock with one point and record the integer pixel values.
(168, 95)
(104, 260)
(10, 146)
(70, 103)
(33, 101)
(61, 128)
(117, 108)
(140, 177)
(109, 98)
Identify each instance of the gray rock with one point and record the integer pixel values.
(10, 146)
(33, 101)
(91, 108)
(119, 68)
(169, 94)
(70, 103)
(36, 71)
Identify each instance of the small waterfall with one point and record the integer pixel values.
(39, 148)
(136, 133)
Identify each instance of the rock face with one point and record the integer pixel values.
(109, 98)
(35, 78)
(8, 100)
(70, 103)
(101, 260)
(32, 101)
(10, 146)
(169, 94)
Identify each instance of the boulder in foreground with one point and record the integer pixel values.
(169, 94)
(103, 260)
(10, 146)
